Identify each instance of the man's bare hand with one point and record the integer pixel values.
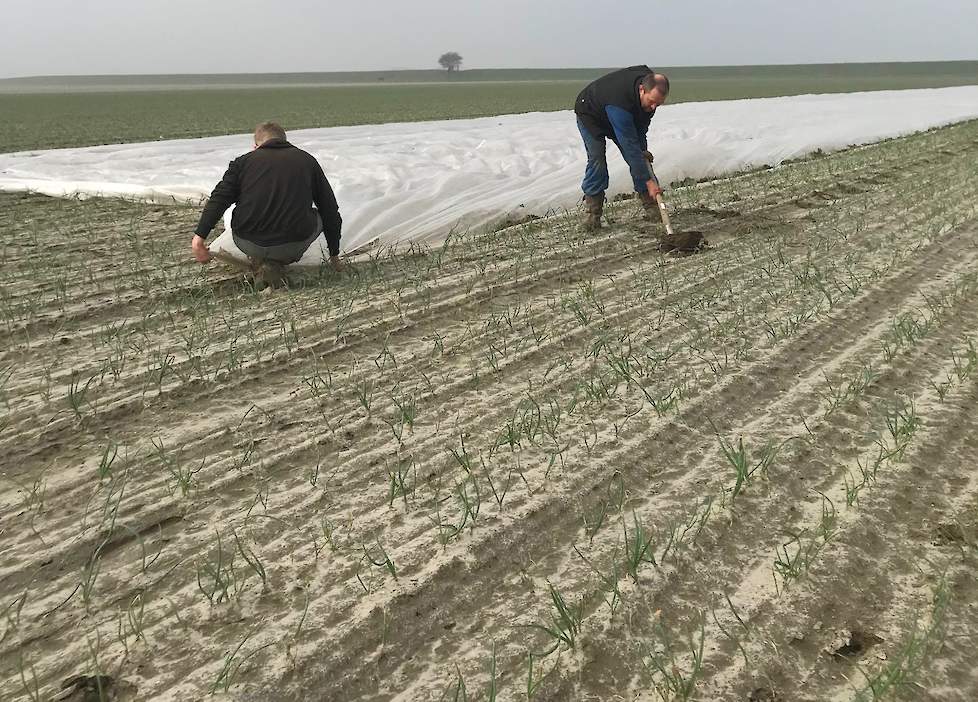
(337, 264)
(199, 247)
(653, 187)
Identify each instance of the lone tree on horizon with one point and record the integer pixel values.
(452, 60)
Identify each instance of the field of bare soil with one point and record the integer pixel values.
(530, 464)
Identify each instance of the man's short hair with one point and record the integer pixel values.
(656, 80)
(268, 130)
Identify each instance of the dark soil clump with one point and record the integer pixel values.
(515, 221)
(682, 242)
(763, 694)
(949, 533)
(719, 214)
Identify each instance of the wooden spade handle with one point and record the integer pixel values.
(664, 213)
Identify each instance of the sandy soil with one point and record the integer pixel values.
(532, 463)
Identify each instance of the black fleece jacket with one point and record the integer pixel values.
(617, 89)
(274, 188)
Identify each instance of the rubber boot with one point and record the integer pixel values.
(256, 265)
(273, 274)
(649, 206)
(594, 205)
(267, 274)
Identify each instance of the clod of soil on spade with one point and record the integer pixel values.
(853, 644)
(683, 243)
(763, 694)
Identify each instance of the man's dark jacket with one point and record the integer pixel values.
(617, 89)
(273, 189)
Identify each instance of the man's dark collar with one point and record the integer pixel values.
(274, 144)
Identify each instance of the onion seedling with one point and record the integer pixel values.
(638, 547)
(381, 561)
(460, 694)
(252, 559)
(78, 394)
(565, 621)
(32, 689)
(674, 684)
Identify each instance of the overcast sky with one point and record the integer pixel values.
(43, 37)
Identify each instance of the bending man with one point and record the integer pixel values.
(619, 106)
(273, 188)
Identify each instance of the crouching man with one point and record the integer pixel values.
(273, 188)
(619, 106)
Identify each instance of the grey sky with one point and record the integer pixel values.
(219, 36)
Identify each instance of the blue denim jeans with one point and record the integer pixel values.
(596, 173)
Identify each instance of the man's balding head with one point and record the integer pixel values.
(266, 131)
(653, 91)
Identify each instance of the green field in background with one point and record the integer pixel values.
(60, 112)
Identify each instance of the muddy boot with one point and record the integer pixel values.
(650, 207)
(273, 274)
(255, 266)
(594, 206)
(267, 274)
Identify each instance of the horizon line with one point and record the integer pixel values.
(441, 70)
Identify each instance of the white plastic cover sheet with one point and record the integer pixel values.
(416, 181)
